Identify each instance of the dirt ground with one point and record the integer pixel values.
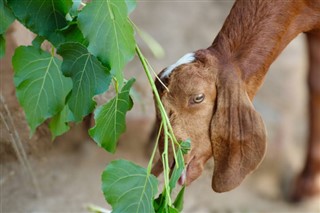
(67, 172)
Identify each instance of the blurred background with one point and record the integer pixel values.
(64, 175)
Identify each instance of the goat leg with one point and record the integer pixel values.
(308, 182)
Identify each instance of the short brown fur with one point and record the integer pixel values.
(229, 73)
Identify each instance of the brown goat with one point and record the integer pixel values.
(210, 92)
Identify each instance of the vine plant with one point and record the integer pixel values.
(91, 44)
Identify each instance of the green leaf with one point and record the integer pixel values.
(185, 146)
(178, 203)
(89, 78)
(40, 86)
(59, 123)
(71, 33)
(2, 46)
(110, 119)
(111, 37)
(131, 5)
(177, 171)
(6, 17)
(43, 17)
(128, 187)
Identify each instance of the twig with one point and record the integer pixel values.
(18, 146)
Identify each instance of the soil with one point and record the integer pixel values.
(67, 172)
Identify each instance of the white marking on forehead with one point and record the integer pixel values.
(187, 58)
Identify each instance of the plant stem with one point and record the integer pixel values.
(154, 149)
(165, 122)
(166, 167)
(153, 86)
(167, 132)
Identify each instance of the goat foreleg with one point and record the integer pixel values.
(308, 183)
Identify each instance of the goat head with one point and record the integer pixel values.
(207, 102)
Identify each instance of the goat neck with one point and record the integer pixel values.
(256, 31)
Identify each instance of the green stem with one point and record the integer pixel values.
(167, 132)
(166, 166)
(154, 149)
(153, 86)
(173, 149)
(158, 100)
(165, 122)
(160, 106)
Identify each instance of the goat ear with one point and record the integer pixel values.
(238, 134)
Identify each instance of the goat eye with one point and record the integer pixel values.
(198, 98)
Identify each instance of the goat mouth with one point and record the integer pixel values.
(183, 177)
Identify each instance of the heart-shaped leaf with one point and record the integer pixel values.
(110, 119)
(128, 188)
(40, 85)
(44, 17)
(48, 19)
(89, 78)
(111, 37)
